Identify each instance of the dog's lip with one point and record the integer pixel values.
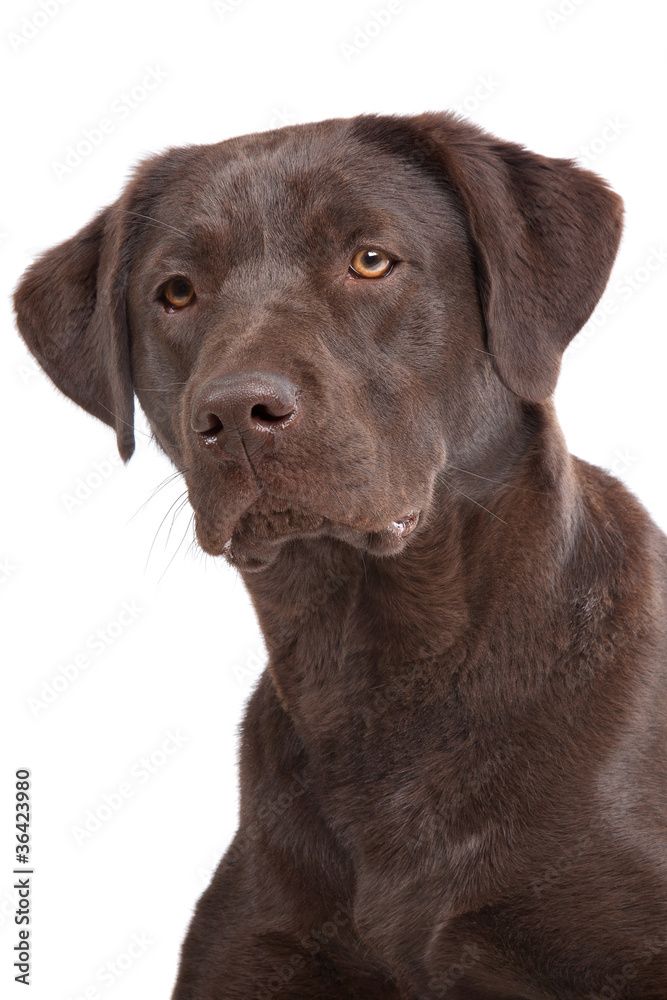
(399, 528)
(384, 538)
(387, 536)
(394, 531)
(405, 525)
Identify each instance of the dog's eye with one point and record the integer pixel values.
(370, 264)
(177, 293)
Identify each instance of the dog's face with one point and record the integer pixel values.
(316, 319)
(301, 381)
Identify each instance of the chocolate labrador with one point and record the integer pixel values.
(346, 336)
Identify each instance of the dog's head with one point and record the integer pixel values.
(315, 319)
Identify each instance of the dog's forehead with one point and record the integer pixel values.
(296, 182)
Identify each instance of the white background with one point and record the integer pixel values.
(553, 81)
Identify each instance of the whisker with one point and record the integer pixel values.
(179, 498)
(187, 527)
(448, 484)
(194, 546)
(335, 492)
(158, 222)
(510, 486)
(173, 520)
(165, 482)
(127, 423)
(161, 388)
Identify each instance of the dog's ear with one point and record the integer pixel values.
(545, 234)
(70, 309)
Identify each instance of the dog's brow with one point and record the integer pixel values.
(197, 246)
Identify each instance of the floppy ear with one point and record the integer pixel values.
(544, 232)
(70, 310)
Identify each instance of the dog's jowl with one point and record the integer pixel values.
(346, 336)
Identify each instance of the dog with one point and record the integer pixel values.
(346, 336)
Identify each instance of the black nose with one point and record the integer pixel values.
(245, 411)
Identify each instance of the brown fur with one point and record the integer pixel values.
(454, 769)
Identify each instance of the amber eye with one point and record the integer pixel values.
(177, 293)
(371, 264)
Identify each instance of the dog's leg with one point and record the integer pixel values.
(229, 955)
(276, 921)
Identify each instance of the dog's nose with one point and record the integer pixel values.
(244, 411)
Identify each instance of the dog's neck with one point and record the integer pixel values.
(322, 602)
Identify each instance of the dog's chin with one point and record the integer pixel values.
(261, 532)
(255, 539)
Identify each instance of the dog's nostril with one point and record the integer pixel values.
(270, 413)
(210, 426)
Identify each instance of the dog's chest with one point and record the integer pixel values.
(398, 774)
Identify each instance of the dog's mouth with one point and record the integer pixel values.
(406, 525)
(255, 539)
